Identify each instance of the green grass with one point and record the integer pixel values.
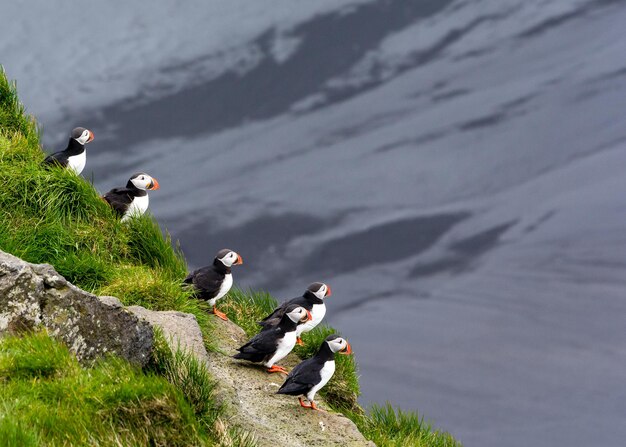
(47, 398)
(46, 395)
(389, 427)
(53, 216)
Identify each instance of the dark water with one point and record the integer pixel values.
(453, 169)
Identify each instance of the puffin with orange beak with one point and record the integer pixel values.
(309, 376)
(214, 281)
(274, 343)
(74, 157)
(133, 199)
(312, 300)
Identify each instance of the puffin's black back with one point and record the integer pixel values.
(119, 199)
(307, 373)
(57, 159)
(208, 280)
(263, 345)
(61, 158)
(307, 300)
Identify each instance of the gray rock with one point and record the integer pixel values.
(180, 329)
(111, 301)
(35, 295)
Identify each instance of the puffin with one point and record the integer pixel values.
(312, 300)
(74, 156)
(214, 281)
(274, 343)
(133, 199)
(309, 376)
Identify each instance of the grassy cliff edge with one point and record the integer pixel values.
(52, 216)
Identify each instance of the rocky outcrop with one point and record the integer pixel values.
(250, 393)
(35, 295)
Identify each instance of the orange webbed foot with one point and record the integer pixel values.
(299, 341)
(311, 406)
(219, 314)
(276, 368)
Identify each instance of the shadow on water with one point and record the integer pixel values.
(388, 242)
(330, 45)
(464, 252)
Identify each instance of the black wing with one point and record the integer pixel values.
(260, 346)
(119, 199)
(302, 378)
(57, 159)
(274, 318)
(206, 280)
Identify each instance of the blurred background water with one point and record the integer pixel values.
(454, 169)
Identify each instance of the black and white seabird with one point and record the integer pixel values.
(309, 376)
(312, 300)
(74, 156)
(274, 343)
(133, 199)
(214, 281)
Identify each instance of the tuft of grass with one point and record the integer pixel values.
(149, 247)
(185, 372)
(389, 427)
(31, 357)
(191, 377)
(13, 117)
(46, 395)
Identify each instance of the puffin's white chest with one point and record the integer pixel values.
(225, 287)
(284, 347)
(137, 207)
(77, 162)
(317, 314)
(326, 372)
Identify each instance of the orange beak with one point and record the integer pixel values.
(346, 351)
(328, 291)
(154, 185)
(308, 315)
(239, 260)
(91, 137)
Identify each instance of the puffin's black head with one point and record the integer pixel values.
(228, 257)
(298, 314)
(82, 135)
(338, 344)
(319, 289)
(141, 180)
